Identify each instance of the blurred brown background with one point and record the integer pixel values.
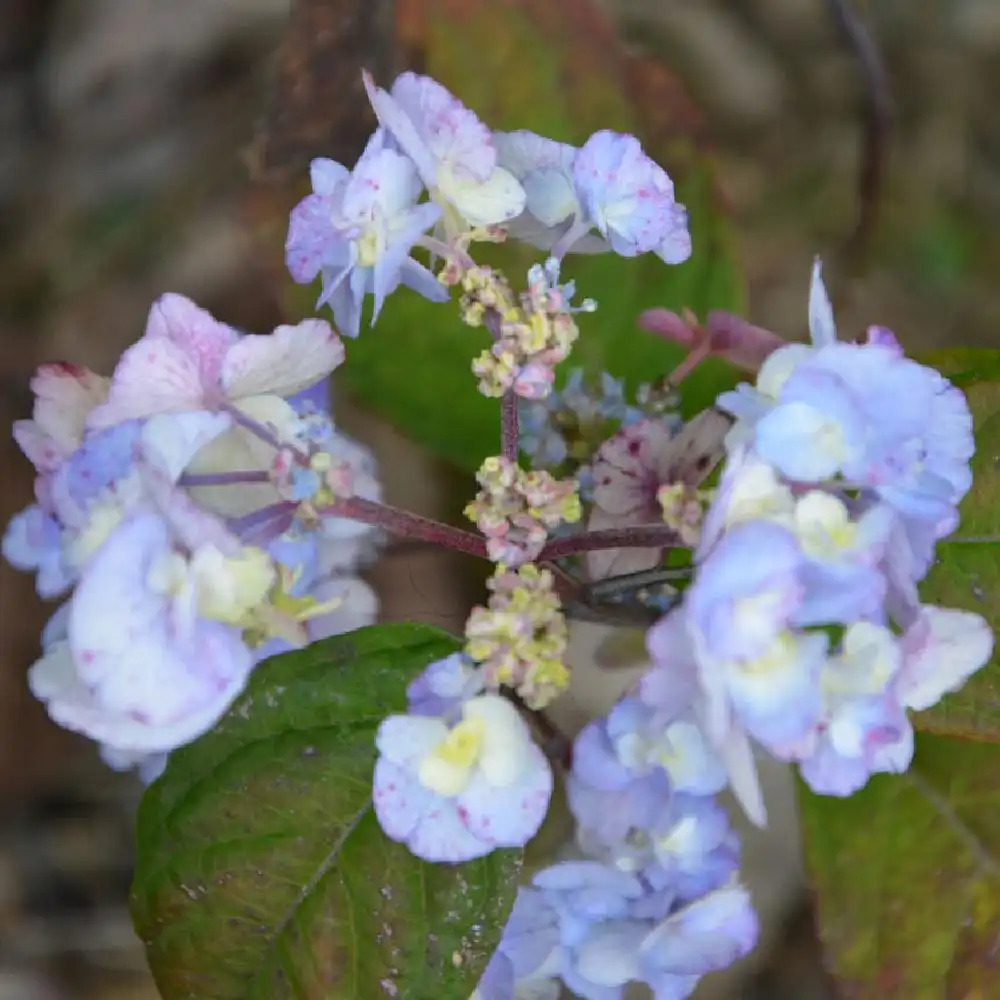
(122, 124)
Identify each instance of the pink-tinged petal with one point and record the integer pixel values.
(113, 604)
(941, 651)
(441, 836)
(194, 330)
(396, 121)
(450, 132)
(510, 816)
(400, 800)
(383, 181)
(406, 739)
(312, 242)
(64, 396)
(676, 245)
(283, 363)
(141, 652)
(73, 705)
(153, 376)
(625, 468)
(690, 455)
(38, 448)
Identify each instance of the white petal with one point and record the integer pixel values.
(397, 122)
(822, 328)
(281, 363)
(485, 203)
(405, 739)
(957, 645)
(506, 741)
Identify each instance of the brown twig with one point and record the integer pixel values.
(878, 121)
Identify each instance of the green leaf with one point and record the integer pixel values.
(967, 572)
(261, 871)
(907, 877)
(555, 67)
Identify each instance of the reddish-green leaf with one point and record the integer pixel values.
(261, 873)
(967, 573)
(907, 877)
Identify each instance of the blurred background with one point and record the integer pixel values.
(125, 127)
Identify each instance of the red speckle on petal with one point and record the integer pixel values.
(88, 656)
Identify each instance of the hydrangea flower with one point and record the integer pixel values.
(442, 689)
(871, 683)
(187, 360)
(609, 184)
(140, 670)
(515, 510)
(32, 542)
(605, 943)
(452, 793)
(452, 150)
(520, 638)
(862, 412)
(64, 396)
(631, 471)
(358, 228)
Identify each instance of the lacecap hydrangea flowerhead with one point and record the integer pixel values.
(163, 523)
(198, 511)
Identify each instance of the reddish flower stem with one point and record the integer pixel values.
(223, 478)
(403, 524)
(509, 431)
(640, 536)
(406, 525)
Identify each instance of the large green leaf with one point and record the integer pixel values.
(967, 572)
(907, 877)
(261, 872)
(555, 67)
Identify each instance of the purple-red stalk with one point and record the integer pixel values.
(223, 478)
(509, 431)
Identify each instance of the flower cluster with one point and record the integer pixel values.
(519, 639)
(162, 506)
(531, 334)
(652, 896)
(460, 775)
(516, 509)
(802, 626)
(650, 472)
(358, 229)
(199, 512)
